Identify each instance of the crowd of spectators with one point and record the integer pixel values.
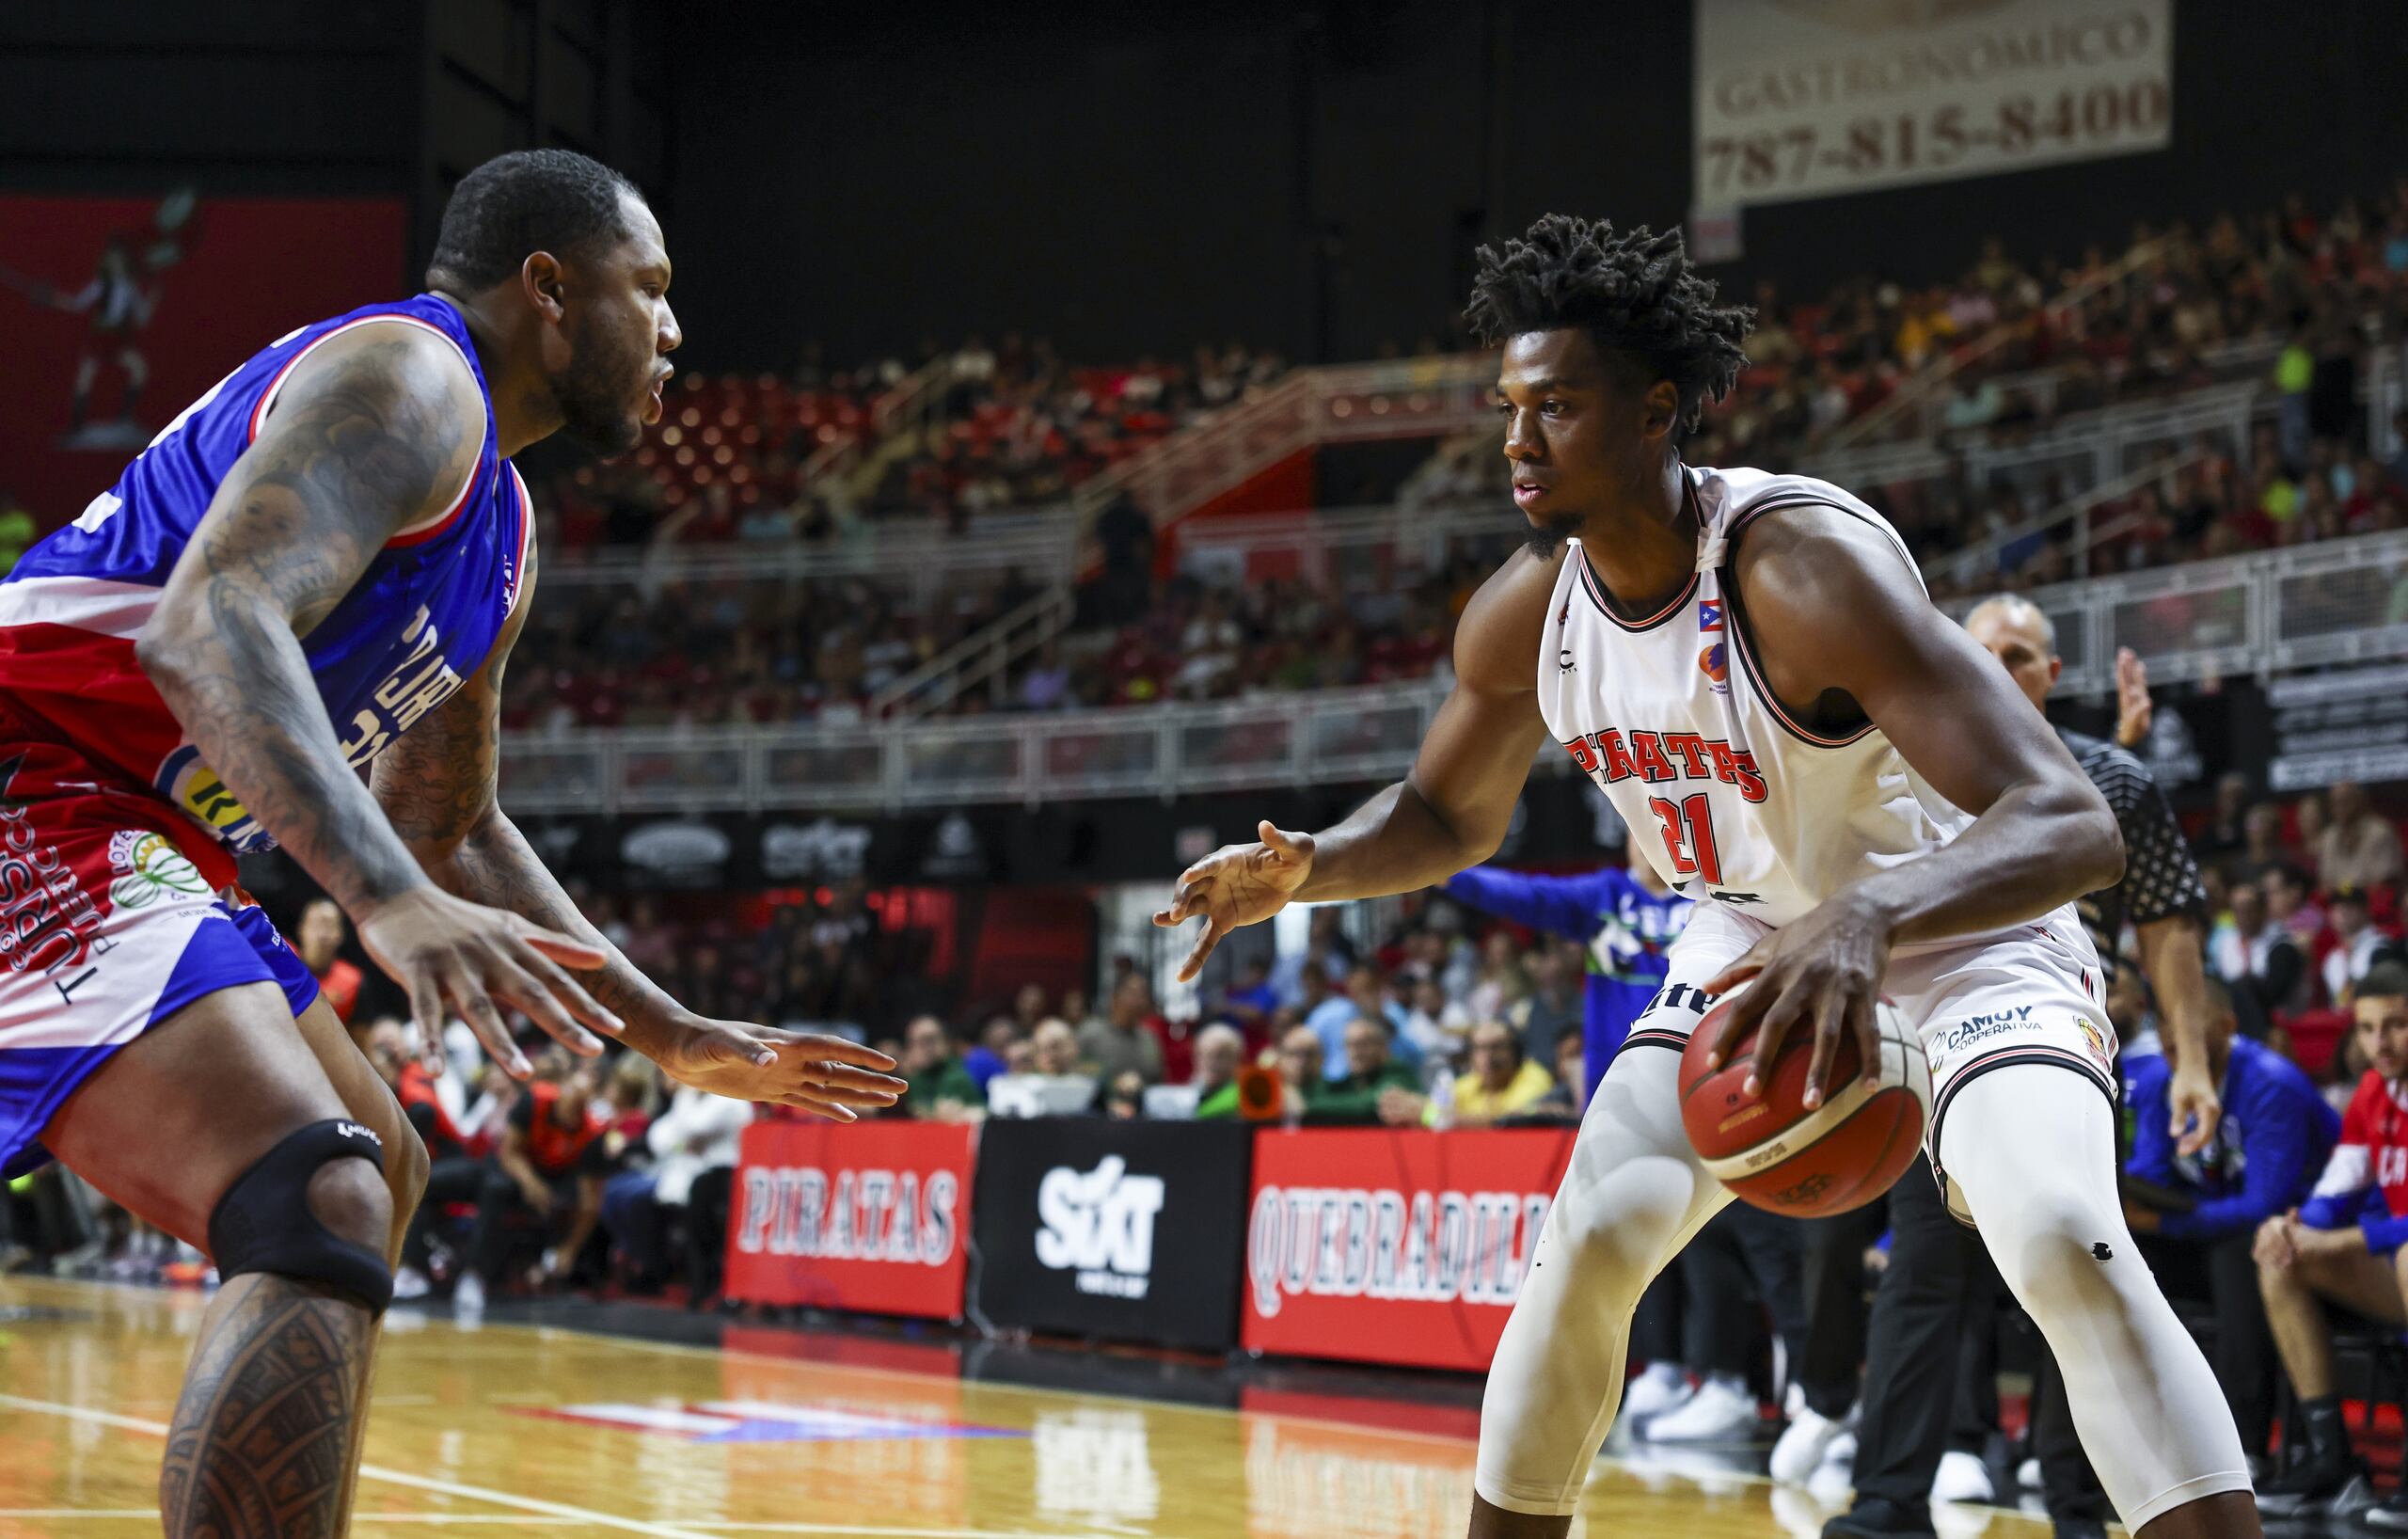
(2320, 293)
(817, 454)
(1440, 1027)
(2202, 504)
(732, 652)
(2030, 342)
(1012, 424)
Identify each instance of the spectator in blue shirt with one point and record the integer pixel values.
(1365, 999)
(1627, 919)
(2197, 1215)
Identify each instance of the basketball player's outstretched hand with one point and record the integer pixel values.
(456, 956)
(1824, 970)
(827, 1076)
(1237, 886)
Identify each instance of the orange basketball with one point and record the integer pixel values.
(1773, 1152)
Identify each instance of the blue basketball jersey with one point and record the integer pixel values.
(423, 617)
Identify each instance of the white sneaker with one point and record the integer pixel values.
(1800, 1515)
(1721, 1411)
(468, 1295)
(1660, 1389)
(1803, 1443)
(1833, 1481)
(1960, 1522)
(2027, 1474)
(408, 1283)
(1961, 1477)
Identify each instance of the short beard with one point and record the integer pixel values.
(1544, 540)
(593, 409)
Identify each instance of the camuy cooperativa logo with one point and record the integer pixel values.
(1359, 1243)
(1099, 1224)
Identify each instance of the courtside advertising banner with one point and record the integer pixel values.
(871, 1217)
(1128, 1230)
(1394, 1246)
(1819, 97)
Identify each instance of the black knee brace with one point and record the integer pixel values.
(264, 1222)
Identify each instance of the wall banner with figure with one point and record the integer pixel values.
(870, 1217)
(120, 311)
(1118, 1230)
(1394, 1246)
(1820, 98)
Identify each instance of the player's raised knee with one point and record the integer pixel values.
(1616, 1233)
(2062, 1241)
(315, 1208)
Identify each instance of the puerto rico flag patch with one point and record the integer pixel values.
(1712, 660)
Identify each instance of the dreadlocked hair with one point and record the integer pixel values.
(1635, 292)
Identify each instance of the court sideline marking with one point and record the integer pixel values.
(553, 1511)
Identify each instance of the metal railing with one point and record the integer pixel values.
(2386, 393)
(2342, 601)
(2247, 357)
(1405, 398)
(984, 656)
(1347, 549)
(910, 403)
(1167, 751)
(2274, 611)
(1918, 392)
(1981, 559)
(924, 549)
(2088, 448)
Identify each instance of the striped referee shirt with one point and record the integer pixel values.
(2160, 879)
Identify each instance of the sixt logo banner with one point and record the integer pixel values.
(1099, 1224)
(1121, 1230)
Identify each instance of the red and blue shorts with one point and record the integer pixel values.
(115, 913)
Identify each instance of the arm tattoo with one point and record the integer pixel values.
(495, 865)
(362, 453)
(439, 783)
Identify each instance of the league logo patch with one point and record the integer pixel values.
(2097, 1042)
(149, 866)
(1712, 659)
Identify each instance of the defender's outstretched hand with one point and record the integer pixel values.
(827, 1076)
(1237, 886)
(451, 955)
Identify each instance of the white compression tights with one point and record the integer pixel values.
(1631, 1197)
(2034, 1150)
(2032, 1147)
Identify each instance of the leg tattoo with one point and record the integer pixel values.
(264, 1433)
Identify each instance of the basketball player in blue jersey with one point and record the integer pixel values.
(1863, 805)
(319, 567)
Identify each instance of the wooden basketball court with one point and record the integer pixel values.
(503, 1429)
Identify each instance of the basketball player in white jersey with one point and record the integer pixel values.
(1863, 805)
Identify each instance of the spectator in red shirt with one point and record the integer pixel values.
(551, 1166)
(2343, 1244)
(318, 939)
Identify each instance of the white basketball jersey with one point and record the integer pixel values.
(1730, 800)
